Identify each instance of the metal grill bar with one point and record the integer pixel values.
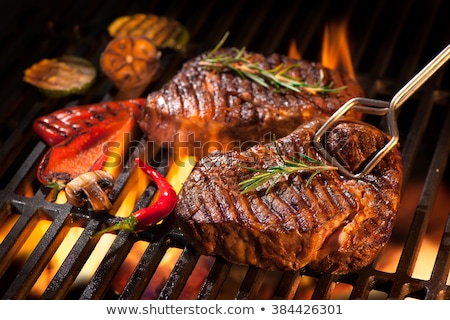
(433, 180)
(38, 259)
(180, 273)
(145, 269)
(215, 280)
(99, 284)
(251, 284)
(438, 290)
(60, 285)
(383, 58)
(288, 285)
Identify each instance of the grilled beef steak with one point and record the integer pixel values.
(332, 223)
(201, 109)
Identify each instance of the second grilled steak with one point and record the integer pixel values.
(201, 109)
(334, 224)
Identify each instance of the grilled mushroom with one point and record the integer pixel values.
(92, 187)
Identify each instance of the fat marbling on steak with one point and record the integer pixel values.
(333, 224)
(201, 109)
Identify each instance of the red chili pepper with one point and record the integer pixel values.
(68, 122)
(83, 152)
(146, 217)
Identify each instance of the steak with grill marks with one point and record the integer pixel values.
(201, 109)
(333, 223)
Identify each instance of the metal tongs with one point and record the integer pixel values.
(381, 108)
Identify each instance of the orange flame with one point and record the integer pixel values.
(335, 48)
(135, 186)
(293, 50)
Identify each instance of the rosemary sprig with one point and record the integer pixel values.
(289, 166)
(278, 77)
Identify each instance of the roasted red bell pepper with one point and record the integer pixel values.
(84, 151)
(68, 122)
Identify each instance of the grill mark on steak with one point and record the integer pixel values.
(176, 97)
(200, 106)
(188, 95)
(334, 224)
(203, 97)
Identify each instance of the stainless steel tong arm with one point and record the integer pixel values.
(379, 107)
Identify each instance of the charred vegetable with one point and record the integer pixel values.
(131, 62)
(91, 187)
(68, 122)
(62, 76)
(146, 217)
(83, 152)
(162, 31)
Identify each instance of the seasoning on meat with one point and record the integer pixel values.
(333, 224)
(201, 109)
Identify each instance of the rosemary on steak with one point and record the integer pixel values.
(240, 62)
(288, 166)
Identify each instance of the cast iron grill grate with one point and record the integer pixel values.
(389, 43)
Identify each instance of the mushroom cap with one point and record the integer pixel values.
(92, 187)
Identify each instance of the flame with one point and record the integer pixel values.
(335, 55)
(176, 175)
(335, 48)
(179, 172)
(162, 273)
(293, 51)
(425, 261)
(135, 186)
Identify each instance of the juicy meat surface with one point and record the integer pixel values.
(334, 224)
(201, 109)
